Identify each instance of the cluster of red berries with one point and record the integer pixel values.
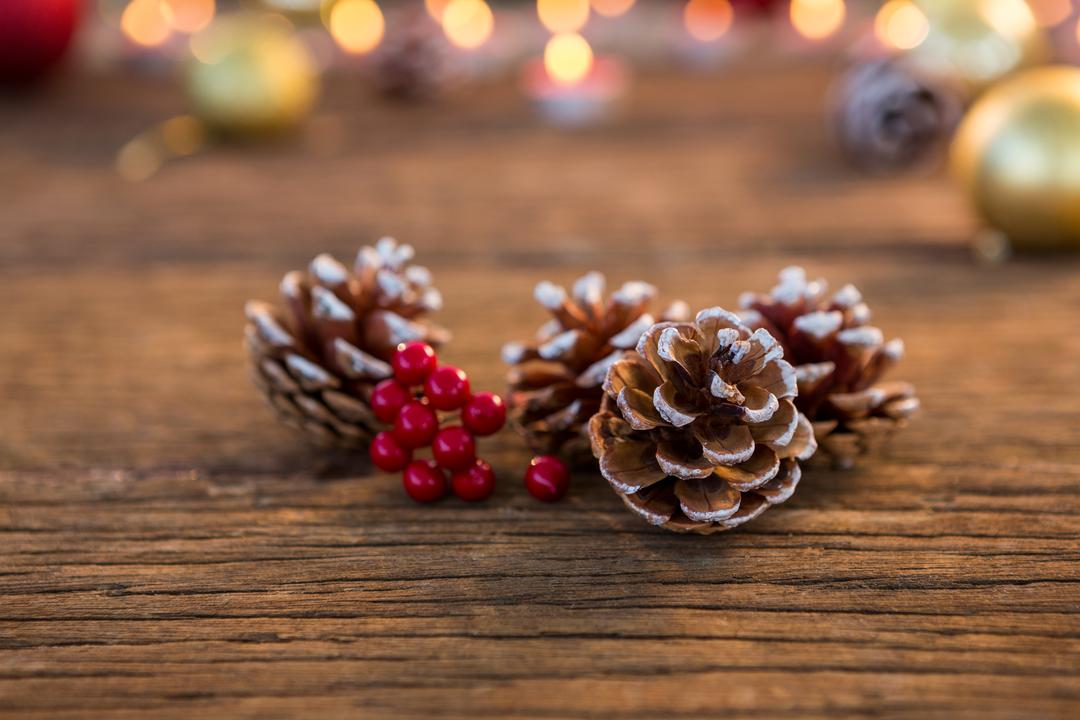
(413, 415)
(416, 425)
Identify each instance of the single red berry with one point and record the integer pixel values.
(388, 398)
(424, 481)
(547, 478)
(413, 362)
(387, 454)
(484, 414)
(454, 448)
(475, 483)
(447, 388)
(415, 425)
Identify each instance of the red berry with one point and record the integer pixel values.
(424, 481)
(484, 414)
(454, 448)
(547, 478)
(387, 454)
(413, 362)
(447, 388)
(474, 484)
(415, 425)
(388, 398)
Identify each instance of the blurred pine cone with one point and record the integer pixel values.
(887, 118)
(318, 361)
(699, 432)
(555, 382)
(412, 62)
(838, 359)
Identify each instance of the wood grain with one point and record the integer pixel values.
(167, 550)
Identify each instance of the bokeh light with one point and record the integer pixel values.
(901, 24)
(563, 16)
(611, 8)
(1008, 17)
(436, 8)
(817, 19)
(146, 23)
(182, 135)
(568, 58)
(468, 23)
(708, 20)
(138, 159)
(357, 25)
(1050, 12)
(188, 16)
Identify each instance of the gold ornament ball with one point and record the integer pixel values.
(251, 76)
(1017, 155)
(976, 42)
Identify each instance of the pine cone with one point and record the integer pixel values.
(556, 381)
(699, 432)
(318, 362)
(412, 64)
(888, 118)
(838, 359)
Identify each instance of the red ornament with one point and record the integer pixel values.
(454, 448)
(474, 484)
(413, 362)
(447, 388)
(388, 398)
(484, 414)
(34, 35)
(387, 454)
(416, 425)
(424, 481)
(547, 478)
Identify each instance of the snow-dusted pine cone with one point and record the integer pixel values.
(555, 382)
(318, 361)
(699, 431)
(839, 359)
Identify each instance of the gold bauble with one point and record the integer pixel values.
(976, 42)
(1017, 154)
(251, 76)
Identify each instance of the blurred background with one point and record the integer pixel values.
(165, 160)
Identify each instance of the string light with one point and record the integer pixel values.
(188, 16)
(614, 8)
(817, 19)
(145, 23)
(468, 23)
(708, 20)
(563, 16)
(901, 24)
(357, 25)
(568, 58)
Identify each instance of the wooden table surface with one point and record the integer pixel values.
(166, 549)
